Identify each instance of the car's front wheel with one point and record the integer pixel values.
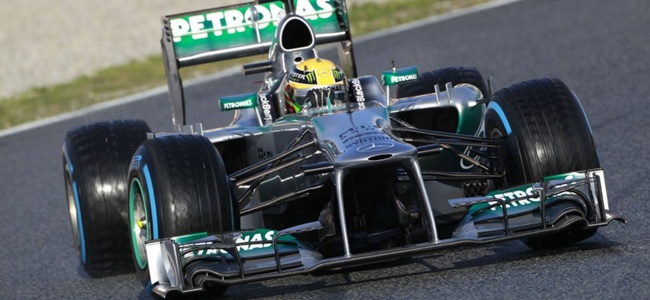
(547, 134)
(177, 186)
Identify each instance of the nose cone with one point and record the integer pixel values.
(360, 139)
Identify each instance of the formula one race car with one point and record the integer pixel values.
(323, 169)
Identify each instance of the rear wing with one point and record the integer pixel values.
(247, 29)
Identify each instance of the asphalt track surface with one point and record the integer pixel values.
(600, 48)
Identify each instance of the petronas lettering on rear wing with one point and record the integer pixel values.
(241, 30)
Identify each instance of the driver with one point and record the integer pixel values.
(313, 82)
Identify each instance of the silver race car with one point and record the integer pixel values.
(324, 169)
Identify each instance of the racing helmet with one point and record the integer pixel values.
(314, 74)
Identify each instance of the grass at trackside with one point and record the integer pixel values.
(378, 15)
(141, 75)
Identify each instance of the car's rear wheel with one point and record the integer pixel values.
(548, 133)
(177, 186)
(427, 81)
(95, 162)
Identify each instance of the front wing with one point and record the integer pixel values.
(184, 264)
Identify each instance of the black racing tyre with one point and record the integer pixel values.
(95, 161)
(562, 239)
(427, 80)
(548, 133)
(177, 185)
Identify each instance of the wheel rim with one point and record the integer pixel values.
(75, 216)
(138, 222)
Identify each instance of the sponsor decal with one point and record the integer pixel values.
(220, 22)
(327, 88)
(135, 162)
(337, 74)
(404, 78)
(374, 147)
(376, 136)
(238, 102)
(295, 75)
(399, 76)
(314, 10)
(219, 29)
(323, 72)
(357, 92)
(266, 109)
(311, 77)
(364, 134)
(249, 241)
(526, 195)
(529, 196)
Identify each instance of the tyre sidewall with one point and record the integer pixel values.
(98, 155)
(509, 158)
(140, 173)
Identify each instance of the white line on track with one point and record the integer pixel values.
(234, 70)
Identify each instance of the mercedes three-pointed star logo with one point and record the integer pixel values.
(374, 147)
